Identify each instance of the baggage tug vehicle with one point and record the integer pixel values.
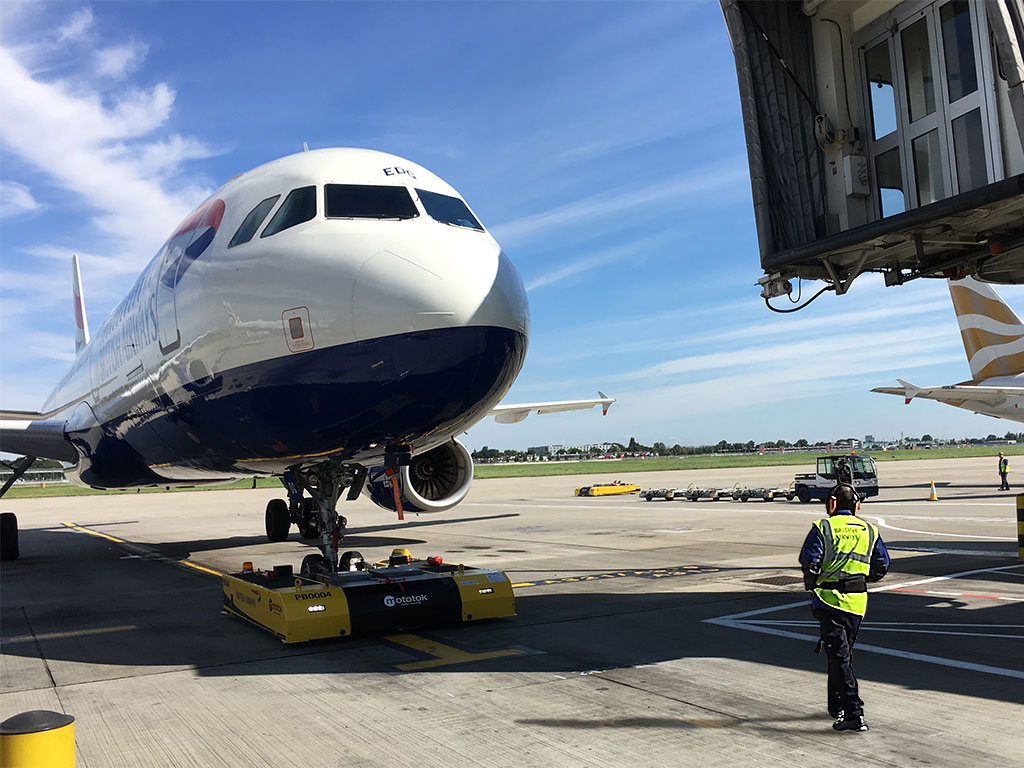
(399, 594)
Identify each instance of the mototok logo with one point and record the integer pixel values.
(391, 601)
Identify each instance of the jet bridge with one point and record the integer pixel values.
(883, 137)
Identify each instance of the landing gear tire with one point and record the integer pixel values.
(313, 565)
(9, 536)
(278, 520)
(309, 521)
(803, 494)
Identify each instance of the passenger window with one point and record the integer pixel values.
(363, 201)
(252, 222)
(448, 210)
(299, 206)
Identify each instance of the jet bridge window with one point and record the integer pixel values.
(252, 221)
(448, 210)
(299, 206)
(364, 201)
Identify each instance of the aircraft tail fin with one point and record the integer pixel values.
(992, 333)
(81, 322)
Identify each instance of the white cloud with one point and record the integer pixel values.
(119, 60)
(123, 180)
(77, 26)
(16, 199)
(702, 183)
(587, 263)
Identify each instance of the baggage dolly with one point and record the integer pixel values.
(368, 599)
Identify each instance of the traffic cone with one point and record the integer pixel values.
(933, 496)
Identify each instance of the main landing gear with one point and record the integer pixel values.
(315, 515)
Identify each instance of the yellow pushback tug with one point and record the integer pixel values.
(366, 599)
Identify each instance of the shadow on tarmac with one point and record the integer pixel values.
(103, 611)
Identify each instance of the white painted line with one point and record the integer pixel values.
(879, 624)
(734, 621)
(865, 627)
(939, 660)
(881, 522)
(946, 551)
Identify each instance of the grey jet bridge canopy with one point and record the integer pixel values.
(883, 137)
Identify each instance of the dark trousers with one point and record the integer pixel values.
(1003, 485)
(838, 634)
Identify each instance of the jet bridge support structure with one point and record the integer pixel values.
(883, 137)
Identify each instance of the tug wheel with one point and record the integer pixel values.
(278, 520)
(8, 536)
(313, 565)
(803, 494)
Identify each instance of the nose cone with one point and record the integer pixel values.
(456, 280)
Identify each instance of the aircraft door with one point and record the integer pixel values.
(166, 311)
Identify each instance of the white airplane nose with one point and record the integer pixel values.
(424, 288)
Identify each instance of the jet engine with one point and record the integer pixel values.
(433, 482)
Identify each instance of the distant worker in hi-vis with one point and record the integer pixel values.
(841, 554)
(1004, 468)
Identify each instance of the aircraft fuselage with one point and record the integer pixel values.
(332, 338)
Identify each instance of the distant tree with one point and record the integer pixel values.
(991, 437)
(801, 443)
(633, 446)
(926, 438)
(1011, 436)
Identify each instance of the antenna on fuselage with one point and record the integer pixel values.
(305, 147)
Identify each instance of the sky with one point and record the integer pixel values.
(601, 143)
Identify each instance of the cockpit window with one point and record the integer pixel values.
(299, 206)
(252, 222)
(363, 201)
(448, 210)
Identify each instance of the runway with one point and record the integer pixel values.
(646, 632)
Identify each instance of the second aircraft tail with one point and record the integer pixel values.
(992, 333)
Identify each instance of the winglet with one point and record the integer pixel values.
(607, 404)
(81, 323)
(909, 391)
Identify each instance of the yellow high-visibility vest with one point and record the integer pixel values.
(849, 544)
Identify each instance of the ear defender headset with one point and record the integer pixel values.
(833, 496)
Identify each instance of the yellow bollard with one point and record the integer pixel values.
(1020, 527)
(38, 739)
(934, 496)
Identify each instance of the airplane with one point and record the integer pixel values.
(334, 318)
(993, 338)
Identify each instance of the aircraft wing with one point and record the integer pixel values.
(955, 394)
(30, 434)
(513, 413)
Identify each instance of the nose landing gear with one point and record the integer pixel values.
(316, 515)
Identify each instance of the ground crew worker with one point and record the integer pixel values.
(1004, 467)
(841, 554)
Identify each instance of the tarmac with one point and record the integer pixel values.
(647, 633)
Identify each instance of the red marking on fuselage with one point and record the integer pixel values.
(207, 215)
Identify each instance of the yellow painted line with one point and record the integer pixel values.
(157, 555)
(71, 633)
(445, 654)
(91, 532)
(524, 584)
(202, 568)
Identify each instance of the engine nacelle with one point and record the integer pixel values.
(433, 482)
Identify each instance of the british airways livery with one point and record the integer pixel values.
(334, 317)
